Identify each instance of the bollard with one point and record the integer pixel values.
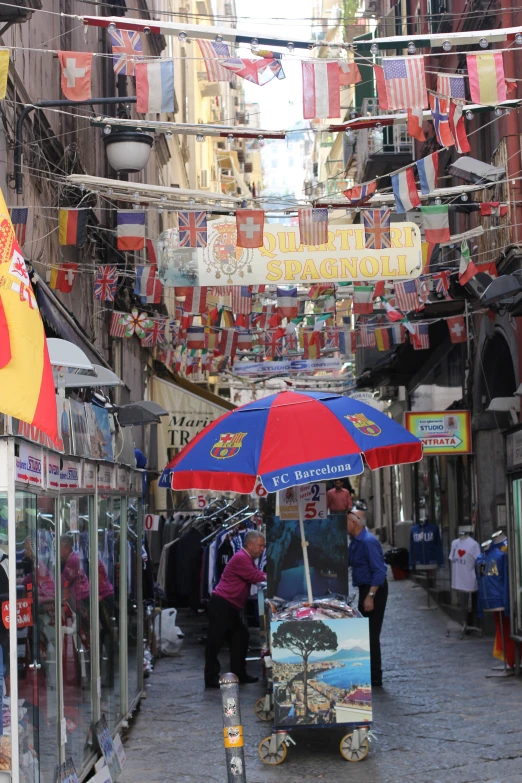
(232, 729)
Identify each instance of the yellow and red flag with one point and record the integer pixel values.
(26, 378)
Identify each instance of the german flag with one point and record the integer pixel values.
(382, 339)
(73, 227)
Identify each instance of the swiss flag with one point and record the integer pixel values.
(457, 329)
(76, 75)
(250, 226)
(65, 277)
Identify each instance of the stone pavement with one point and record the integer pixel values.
(437, 720)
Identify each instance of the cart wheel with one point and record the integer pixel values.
(350, 754)
(260, 712)
(271, 759)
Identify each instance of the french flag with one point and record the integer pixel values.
(405, 191)
(147, 285)
(287, 303)
(155, 87)
(428, 169)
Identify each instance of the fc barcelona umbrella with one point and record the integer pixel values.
(287, 439)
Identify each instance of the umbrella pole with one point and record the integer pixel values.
(304, 544)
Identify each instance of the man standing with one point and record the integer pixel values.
(366, 559)
(225, 604)
(338, 499)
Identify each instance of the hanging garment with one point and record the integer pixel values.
(425, 545)
(463, 554)
(493, 580)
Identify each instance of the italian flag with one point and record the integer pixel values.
(436, 223)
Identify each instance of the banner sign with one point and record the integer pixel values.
(311, 498)
(284, 261)
(29, 465)
(441, 432)
(24, 613)
(248, 369)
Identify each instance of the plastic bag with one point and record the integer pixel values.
(169, 637)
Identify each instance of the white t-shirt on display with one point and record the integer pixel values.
(463, 554)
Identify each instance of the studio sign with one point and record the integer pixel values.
(284, 261)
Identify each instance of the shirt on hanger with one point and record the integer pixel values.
(463, 554)
(425, 545)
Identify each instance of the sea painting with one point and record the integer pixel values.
(321, 672)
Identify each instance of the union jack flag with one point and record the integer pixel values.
(19, 221)
(155, 334)
(361, 193)
(441, 280)
(192, 229)
(377, 228)
(332, 337)
(407, 295)
(257, 71)
(126, 47)
(105, 283)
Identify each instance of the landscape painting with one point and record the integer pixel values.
(321, 671)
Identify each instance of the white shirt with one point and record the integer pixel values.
(463, 553)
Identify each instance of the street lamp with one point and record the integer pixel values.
(127, 151)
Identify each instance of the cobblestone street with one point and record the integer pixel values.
(437, 720)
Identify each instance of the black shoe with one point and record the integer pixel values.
(247, 679)
(212, 683)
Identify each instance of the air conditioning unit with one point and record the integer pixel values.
(203, 178)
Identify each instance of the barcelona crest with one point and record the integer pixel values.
(364, 424)
(228, 445)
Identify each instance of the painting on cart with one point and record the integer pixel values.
(321, 671)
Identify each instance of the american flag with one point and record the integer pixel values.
(19, 221)
(117, 329)
(155, 334)
(377, 228)
(367, 337)
(407, 295)
(421, 337)
(451, 86)
(221, 290)
(241, 299)
(211, 51)
(192, 229)
(405, 82)
(313, 226)
(126, 48)
(105, 283)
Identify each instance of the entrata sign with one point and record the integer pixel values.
(441, 432)
(283, 260)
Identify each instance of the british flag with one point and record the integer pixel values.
(331, 337)
(192, 229)
(155, 334)
(126, 48)
(377, 228)
(105, 283)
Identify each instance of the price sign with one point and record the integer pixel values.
(312, 501)
(202, 501)
(151, 522)
(24, 614)
(259, 491)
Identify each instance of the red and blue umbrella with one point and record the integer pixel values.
(287, 439)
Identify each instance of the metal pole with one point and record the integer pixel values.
(232, 729)
(304, 544)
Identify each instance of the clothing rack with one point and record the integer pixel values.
(230, 527)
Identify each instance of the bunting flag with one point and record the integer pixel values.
(405, 190)
(415, 120)
(148, 286)
(228, 343)
(436, 223)
(380, 83)
(126, 49)
(313, 226)
(195, 337)
(244, 340)
(362, 299)
(257, 289)
(105, 283)
(487, 84)
(398, 333)
(191, 367)
(117, 327)
(407, 295)
(321, 89)
(493, 208)
(155, 86)
(243, 320)
(439, 113)
(63, 277)
(241, 300)
(211, 51)
(221, 290)
(227, 318)
(391, 313)
(367, 337)
(457, 329)
(4, 72)
(428, 169)
(212, 337)
(72, 227)
(382, 339)
(319, 289)
(458, 127)
(287, 303)
(405, 82)
(311, 345)
(168, 357)
(348, 73)
(135, 323)
(421, 337)
(18, 216)
(343, 340)
(151, 251)
(76, 75)
(259, 71)
(192, 228)
(155, 333)
(378, 290)
(250, 224)
(196, 300)
(376, 228)
(353, 341)
(130, 229)
(467, 269)
(26, 379)
(441, 280)
(361, 193)
(451, 86)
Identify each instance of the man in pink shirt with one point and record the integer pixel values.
(338, 499)
(226, 602)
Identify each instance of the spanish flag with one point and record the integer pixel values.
(26, 378)
(73, 227)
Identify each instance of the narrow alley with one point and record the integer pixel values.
(438, 719)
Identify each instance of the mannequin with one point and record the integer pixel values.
(493, 594)
(464, 551)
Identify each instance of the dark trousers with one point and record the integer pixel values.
(376, 617)
(225, 624)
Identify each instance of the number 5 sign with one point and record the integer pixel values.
(312, 501)
(151, 522)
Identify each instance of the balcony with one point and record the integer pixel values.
(381, 151)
